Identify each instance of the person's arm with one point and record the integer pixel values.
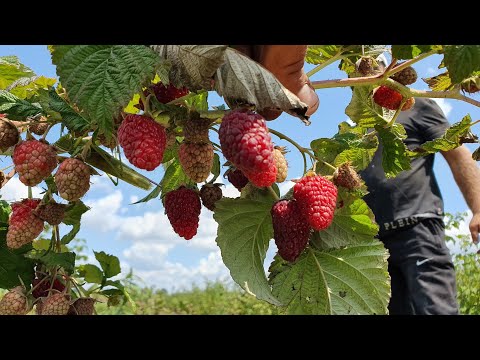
(467, 176)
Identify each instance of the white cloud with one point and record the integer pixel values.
(444, 105)
(15, 190)
(176, 276)
(101, 184)
(143, 254)
(133, 199)
(103, 215)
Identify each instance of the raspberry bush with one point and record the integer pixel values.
(148, 109)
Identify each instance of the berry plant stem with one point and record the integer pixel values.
(36, 286)
(300, 148)
(44, 136)
(30, 192)
(383, 79)
(275, 196)
(337, 56)
(409, 63)
(394, 118)
(56, 232)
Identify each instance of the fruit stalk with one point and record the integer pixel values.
(300, 148)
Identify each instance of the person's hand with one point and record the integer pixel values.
(475, 227)
(286, 63)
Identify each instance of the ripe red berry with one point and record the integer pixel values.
(143, 140)
(236, 178)
(24, 225)
(316, 198)
(42, 290)
(387, 97)
(290, 229)
(164, 94)
(34, 161)
(247, 144)
(183, 211)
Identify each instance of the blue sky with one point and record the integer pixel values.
(141, 236)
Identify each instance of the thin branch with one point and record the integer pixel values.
(319, 67)
(410, 62)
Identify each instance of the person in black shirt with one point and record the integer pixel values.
(409, 211)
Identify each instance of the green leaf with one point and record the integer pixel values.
(251, 192)
(71, 234)
(153, 195)
(101, 79)
(363, 110)
(352, 224)
(16, 108)
(13, 265)
(450, 140)
(327, 150)
(461, 61)
(117, 284)
(360, 157)
(91, 273)
(395, 158)
(66, 260)
(440, 82)
(27, 87)
(12, 69)
(109, 263)
(406, 52)
(174, 177)
(344, 146)
(351, 280)
(170, 153)
(199, 102)
(74, 213)
(244, 232)
(5, 211)
(318, 54)
(72, 119)
(216, 168)
(59, 52)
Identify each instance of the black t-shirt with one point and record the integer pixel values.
(413, 194)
